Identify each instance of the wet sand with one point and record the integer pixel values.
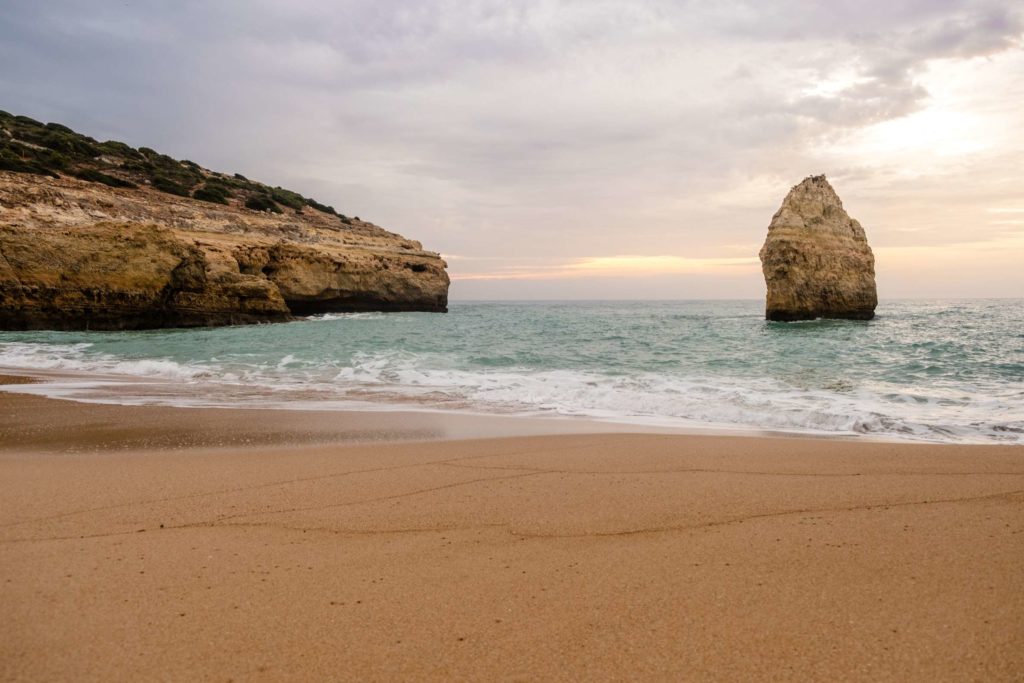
(184, 544)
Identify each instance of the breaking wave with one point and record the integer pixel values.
(393, 379)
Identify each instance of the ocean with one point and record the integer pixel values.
(938, 371)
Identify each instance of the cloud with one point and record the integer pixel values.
(539, 129)
(888, 61)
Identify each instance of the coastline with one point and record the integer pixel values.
(377, 420)
(682, 366)
(183, 544)
(26, 420)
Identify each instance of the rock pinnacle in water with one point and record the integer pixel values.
(816, 259)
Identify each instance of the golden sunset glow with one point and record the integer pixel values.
(657, 264)
(616, 266)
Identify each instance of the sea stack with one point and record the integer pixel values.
(816, 259)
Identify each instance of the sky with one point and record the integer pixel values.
(595, 149)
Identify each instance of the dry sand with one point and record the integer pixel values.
(155, 544)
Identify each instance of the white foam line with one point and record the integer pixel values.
(399, 380)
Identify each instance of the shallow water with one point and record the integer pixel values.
(928, 370)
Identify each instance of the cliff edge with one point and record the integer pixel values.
(104, 236)
(816, 259)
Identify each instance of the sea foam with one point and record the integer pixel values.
(678, 365)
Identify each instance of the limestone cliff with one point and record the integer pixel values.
(99, 240)
(816, 259)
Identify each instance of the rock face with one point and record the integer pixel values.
(816, 259)
(77, 254)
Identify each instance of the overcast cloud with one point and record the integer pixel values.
(533, 142)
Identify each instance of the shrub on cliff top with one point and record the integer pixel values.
(167, 185)
(229, 182)
(115, 148)
(168, 174)
(10, 162)
(23, 159)
(212, 192)
(261, 202)
(292, 200)
(73, 145)
(321, 207)
(50, 159)
(95, 176)
(29, 146)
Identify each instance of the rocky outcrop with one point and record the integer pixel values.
(76, 254)
(121, 275)
(816, 259)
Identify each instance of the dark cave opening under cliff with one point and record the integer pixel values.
(359, 304)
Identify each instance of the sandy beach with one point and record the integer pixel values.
(181, 544)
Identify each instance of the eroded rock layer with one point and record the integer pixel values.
(816, 259)
(77, 254)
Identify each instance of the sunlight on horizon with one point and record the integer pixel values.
(615, 266)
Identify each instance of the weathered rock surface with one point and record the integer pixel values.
(816, 259)
(77, 254)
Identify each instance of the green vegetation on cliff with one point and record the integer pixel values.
(50, 149)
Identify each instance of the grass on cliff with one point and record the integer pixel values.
(52, 149)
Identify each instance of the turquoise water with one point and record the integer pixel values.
(929, 370)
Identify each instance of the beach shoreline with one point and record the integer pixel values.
(431, 422)
(184, 544)
(689, 367)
